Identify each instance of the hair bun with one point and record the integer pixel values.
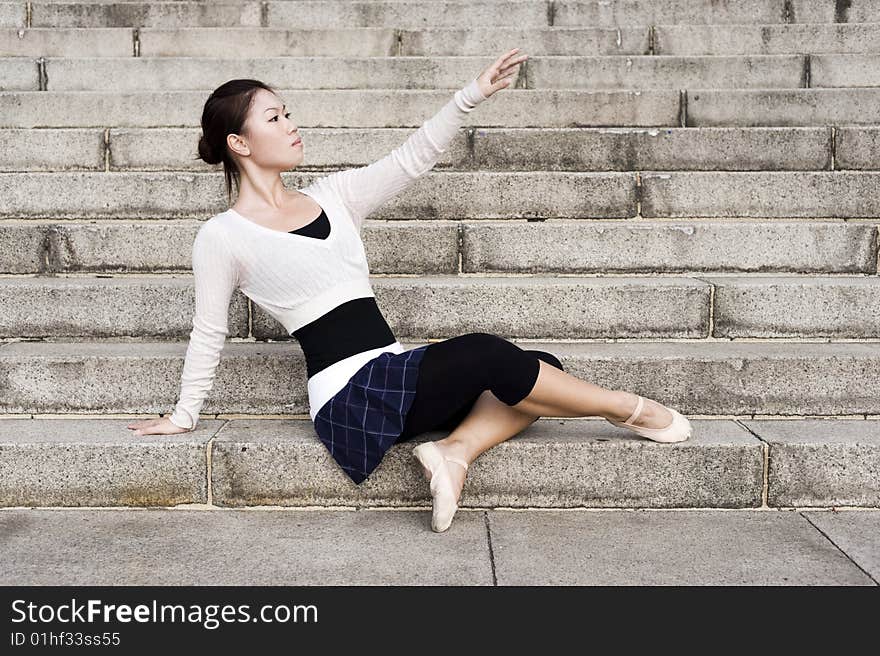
(206, 152)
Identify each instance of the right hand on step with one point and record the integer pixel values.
(158, 426)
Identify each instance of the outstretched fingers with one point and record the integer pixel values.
(507, 65)
(496, 76)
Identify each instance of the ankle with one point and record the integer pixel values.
(455, 448)
(621, 406)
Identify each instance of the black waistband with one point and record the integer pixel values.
(348, 329)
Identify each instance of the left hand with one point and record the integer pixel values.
(498, 75)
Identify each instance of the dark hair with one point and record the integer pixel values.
(224, 113)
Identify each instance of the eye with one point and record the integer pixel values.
(275, 117)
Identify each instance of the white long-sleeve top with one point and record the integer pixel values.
(295, 278)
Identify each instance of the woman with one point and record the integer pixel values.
(299, 256)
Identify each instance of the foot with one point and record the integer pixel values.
(653, 415)
(654, 421)
(446, 470)
(457, 471)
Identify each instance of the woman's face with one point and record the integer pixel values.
(270, 135)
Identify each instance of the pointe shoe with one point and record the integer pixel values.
(445, 504)
(678, 430)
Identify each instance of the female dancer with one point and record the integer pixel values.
(299, 256)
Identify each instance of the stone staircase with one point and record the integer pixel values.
(677, 198)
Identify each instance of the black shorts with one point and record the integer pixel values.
(455, 372)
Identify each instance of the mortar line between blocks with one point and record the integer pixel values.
(834, 544)
(209, 461)
(486, 521)
(460, 243)
(639, 195)
(765, 464)
(711, 327)
(42, 78)
(208, 454)
(877, 248)
(833, 147)
(765, 474)
(682, 108)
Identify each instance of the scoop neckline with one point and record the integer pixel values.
(321, 242)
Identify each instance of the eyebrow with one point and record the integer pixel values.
(268, 108)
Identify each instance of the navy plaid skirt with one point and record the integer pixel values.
(364, 419)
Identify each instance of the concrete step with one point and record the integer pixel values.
(132, 74)
(690, 12)
(19, 73)
(310, 15)
(681, 40)
(69, 42)
(113, 246)
(507, 246)
(13, 15)
(448, 195)
(410, 15)
(780, 107)
(496, 149)
(533, 307)
(554, 463)
(329, 42)
(484, 547)
(344, 108)
(668, 72)
(774, 194)
(772, 378)
(198, 195)
(547, 108)
(107, 13)
(844, 70)
(811, 38)
(469, 195)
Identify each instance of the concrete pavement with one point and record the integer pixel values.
(281, 546)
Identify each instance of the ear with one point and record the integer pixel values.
(237, 144)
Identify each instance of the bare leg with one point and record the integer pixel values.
(489, 423)
(555, 394)
(559, 394)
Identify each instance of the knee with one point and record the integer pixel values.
(482, 338)
(488, 345)
(497, 358)
(503, 350)
(549, 358)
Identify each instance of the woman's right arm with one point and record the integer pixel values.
(363, 189)
(215, 280)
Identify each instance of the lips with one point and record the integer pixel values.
(298, 141)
